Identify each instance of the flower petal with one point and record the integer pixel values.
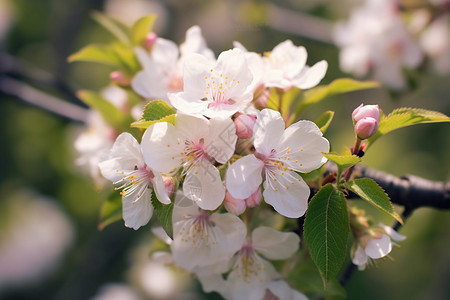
(192, 127)
(377, 248)
(204, 186)
(160, 147)
(288, 194)
(269, 128)
(221, 140)
(274, 244)
(283, 291)
(138, 213)
(124, 155)
(360, 257)
(195, 68)
(160, 188)
(311, 77)
(186, 104)
(306, 144)
(244, 176)
(393, 234)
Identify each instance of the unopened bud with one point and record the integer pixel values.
(364, 111)
(366, 127)
(254, 199)
(234, 205)
(150, 40)
(119, 78)
(244, 126)
(261, 96)
(170, 186)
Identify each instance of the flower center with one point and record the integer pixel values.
(248, 265)
(218, 89)
(198, 230)
(136, 181)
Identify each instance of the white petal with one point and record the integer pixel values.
(185, 104)
(124, 155)
(144, 58)
(161, 234)
(213, 282)
(234, 230)
(306, 145)
(393, 234)
(207, 247)
(160, 188)
(377, 248)
(274, 244)
(137, 214)
(164, 52)
(312, 76)
(284, 292)
(232, 63)
(160, 147)
(269, 128)
(195, 68)
(192, 127)
(195, 43)
(224, 110)
(359, 257)
(288, 195)
(221, 141)
(140, 84)
(204, 186)
(244, 176)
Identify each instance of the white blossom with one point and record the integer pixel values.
(193, 144)
(214, 89)
(375, 246)
(125, 167)
(162, 68)
(280, 153)
(251, 273)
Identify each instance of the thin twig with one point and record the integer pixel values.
(42, 100)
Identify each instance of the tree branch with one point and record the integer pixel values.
(40, 99)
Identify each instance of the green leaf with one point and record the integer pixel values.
(305, 277)
(97, 53)
(155, 111)
(164, 214)
(325, 120)
(117, 28)
(370, 191)
(405, 116)
(326, 231)
(285, 98)
(141, 28)
(126, 57)
(109, 112)
(343, 161)
(145, 124)
(111, 211)
(338, 86)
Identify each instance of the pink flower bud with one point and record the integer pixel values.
(170, 186)
(366, 127)
(254, 199)
(118, 78)
(150, 40)
(244, 126)
(364, 111)
(234, 205)
(260, 96)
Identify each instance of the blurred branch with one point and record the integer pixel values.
(409, 191)
(40, 99)
(301, 24)
(16, 68)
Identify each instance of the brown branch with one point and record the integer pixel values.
(409, 191)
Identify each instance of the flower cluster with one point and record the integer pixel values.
(377, 39)
(223, 151)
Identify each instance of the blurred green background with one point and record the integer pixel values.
(37, 155)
